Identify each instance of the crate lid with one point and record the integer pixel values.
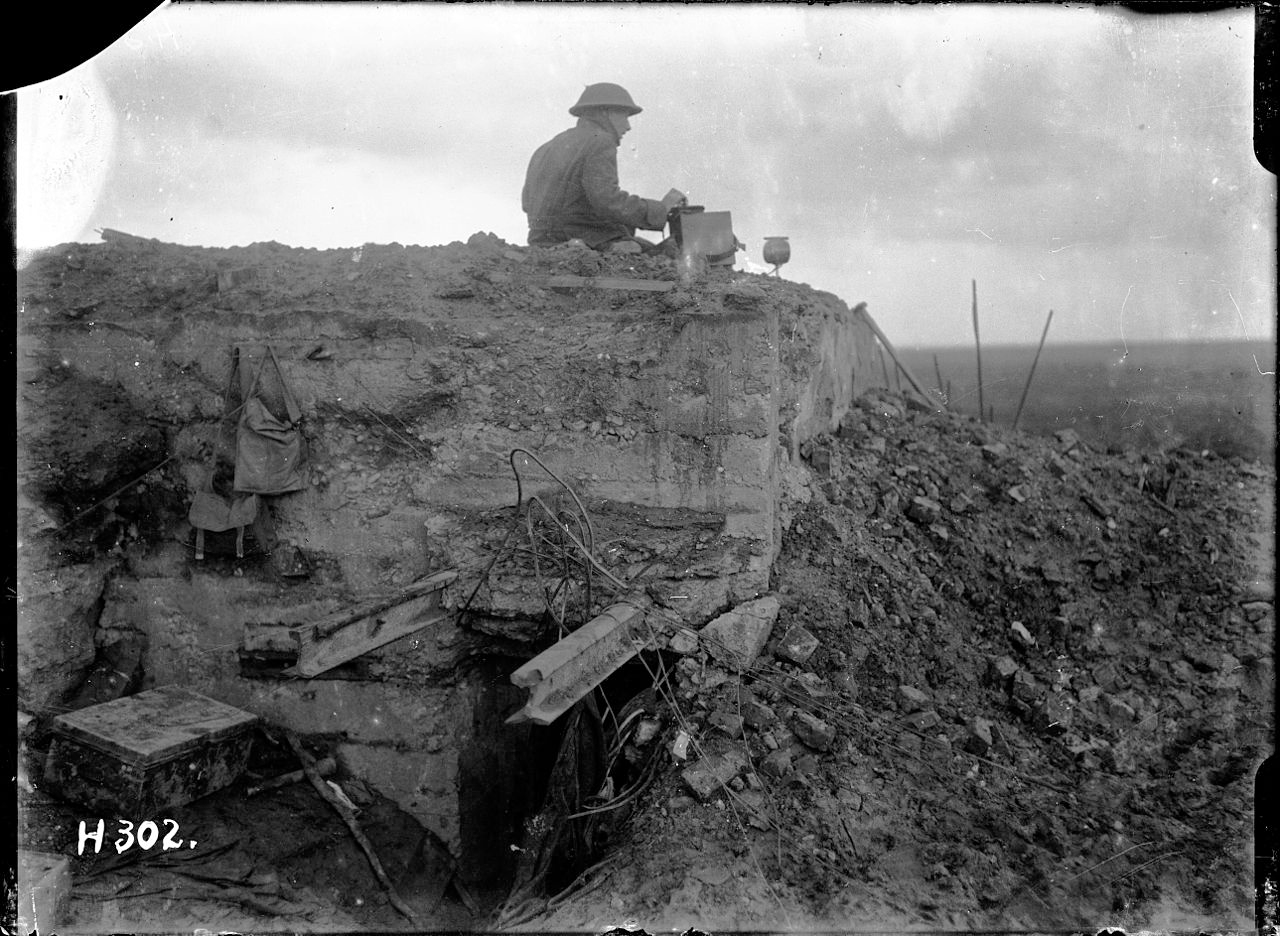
(153, 726)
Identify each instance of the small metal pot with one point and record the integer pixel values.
(776, 250)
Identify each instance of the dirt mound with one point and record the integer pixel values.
(1014, 683)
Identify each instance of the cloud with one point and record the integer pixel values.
(66, 143)
(929, 142)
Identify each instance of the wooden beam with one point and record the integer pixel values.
(334, 640)
(565, 280)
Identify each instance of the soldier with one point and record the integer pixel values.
(571, 189)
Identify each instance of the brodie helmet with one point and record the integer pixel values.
(605, 94)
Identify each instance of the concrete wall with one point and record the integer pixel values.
(692, 402)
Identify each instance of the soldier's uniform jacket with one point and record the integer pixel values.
(571, 190)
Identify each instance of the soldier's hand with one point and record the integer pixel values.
(674, 199)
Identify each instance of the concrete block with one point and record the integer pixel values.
(1120, 714)
(923, 510)
(737, 637)
(756, 714)
(707, 776)
(911, 699)
(797, 645)
(978, 737)
(728, 722)
(813, 731)
(1025, 687)
(1021, 635)
(683, 643)
(776, 763)
(923, 721)
(1051, 716)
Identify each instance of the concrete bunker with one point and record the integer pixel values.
(432, 385)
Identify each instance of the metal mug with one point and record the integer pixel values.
(776, 250)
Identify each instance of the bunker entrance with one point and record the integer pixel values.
(592, 766)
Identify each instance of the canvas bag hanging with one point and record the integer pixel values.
(270, 457)
(212, 512)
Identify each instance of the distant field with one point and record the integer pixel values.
(1211, 395)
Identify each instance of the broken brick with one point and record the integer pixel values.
(1021, 635)
(911, 699)
(1025, 688)
(737, 636)
(846, 684)
(806, 764)
(978, 737)
(705, 778)
(814, 685)
(1000, 671)
(1255, 611)
(1120, 714)
(683, 643)
(813, 731)
(756, 714)
(923, 510)
(776, 763)
(728, 722)
(923, 721)
(1051, 716)
(796, 645)
(1106, 675)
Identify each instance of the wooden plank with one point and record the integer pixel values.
(569, 281)
(340, 638)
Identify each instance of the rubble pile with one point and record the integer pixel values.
(908, 669)
(1013, 682)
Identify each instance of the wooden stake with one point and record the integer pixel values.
(978, 342)
(937, 372)
(883, 365)
(309, 765)
(323, 768)
(861, 309)
(1034, 362)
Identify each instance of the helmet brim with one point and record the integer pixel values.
(579, 109)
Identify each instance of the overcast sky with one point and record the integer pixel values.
(1090, 160)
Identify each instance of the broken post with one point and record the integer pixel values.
(323, 767)
(861, 309)
(309, 766)
(978, 343)
(1032, 373)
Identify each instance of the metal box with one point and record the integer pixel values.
(148, 752)
(709, 235)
